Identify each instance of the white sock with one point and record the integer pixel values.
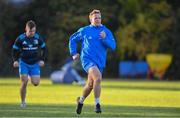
(97, 100)
(81, 100)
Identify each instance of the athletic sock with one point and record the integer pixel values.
(97, 100)
(81, 100)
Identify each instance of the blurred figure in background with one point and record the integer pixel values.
(67, 74)
(95, 39)
(29, 52)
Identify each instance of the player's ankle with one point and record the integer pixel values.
(97, 101)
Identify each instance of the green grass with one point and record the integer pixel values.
(119, 98)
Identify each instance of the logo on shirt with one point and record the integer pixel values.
(35, 42)
(30, 46)
(24, 43)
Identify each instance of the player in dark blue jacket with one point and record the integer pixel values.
(95, 39)
(29, 53)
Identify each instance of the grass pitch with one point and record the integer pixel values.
(119, 98)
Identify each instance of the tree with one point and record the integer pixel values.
(144, 28)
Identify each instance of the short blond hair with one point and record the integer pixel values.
(95, 11)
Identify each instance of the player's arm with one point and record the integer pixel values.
(74, 39)
(43, 53)
(108, 40)
(16, 52)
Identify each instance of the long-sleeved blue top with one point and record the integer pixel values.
(29, 49)
(93, 47)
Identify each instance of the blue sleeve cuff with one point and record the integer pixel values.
(43, 45)
(15, 47)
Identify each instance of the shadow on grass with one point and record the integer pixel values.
(60, 110)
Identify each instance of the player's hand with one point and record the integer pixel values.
(16, 64)
(76, 56)
(102, 34)
(41, 63)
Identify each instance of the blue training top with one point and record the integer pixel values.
(93, 47)
(29, 48)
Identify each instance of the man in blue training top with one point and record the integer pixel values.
(95, 39)
(29, 52)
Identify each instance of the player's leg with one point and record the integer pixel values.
(23, 71)
(24, 82)
(97, 77)
(34, 71)
(86, 91)
(88, 87)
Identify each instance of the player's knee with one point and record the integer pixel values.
(97, 77)
(35, 84)
(98, 80)
(24, 79)
(90, 85)
(24, 83)
(35, 81)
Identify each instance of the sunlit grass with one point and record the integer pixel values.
(119, 98)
